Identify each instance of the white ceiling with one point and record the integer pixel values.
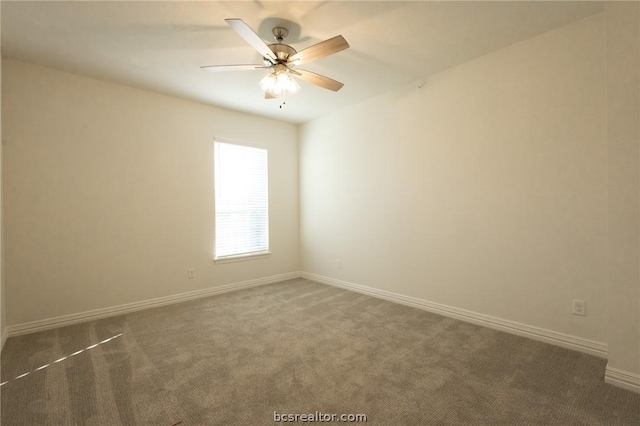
(160, 46)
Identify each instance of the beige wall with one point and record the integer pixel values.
(109, 194)
(623, 139)
(3, 311)
(486, 190)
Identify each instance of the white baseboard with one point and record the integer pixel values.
(34, 326)
(571, 342)
(622, 379)
(559, 339)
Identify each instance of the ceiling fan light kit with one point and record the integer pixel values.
(279, 82)
(283, 59)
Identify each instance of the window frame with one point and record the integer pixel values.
(242, 256)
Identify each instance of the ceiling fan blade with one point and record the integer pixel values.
(319, 80)
(320, 50)
(251, 37)
(224, 68)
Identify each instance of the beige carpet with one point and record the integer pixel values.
(299, 347)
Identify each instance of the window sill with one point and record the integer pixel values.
(242, 257)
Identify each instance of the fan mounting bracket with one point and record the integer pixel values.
(280, 33)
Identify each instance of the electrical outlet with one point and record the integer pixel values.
(579, 307)
(191, 273)
(339, 262)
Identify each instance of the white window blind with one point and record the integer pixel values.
(242, 200)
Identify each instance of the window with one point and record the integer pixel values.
(242, 201)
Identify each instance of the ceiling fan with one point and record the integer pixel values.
(283, 60)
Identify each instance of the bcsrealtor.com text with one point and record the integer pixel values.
(319, 417)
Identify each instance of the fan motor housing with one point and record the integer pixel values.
(282, 51)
